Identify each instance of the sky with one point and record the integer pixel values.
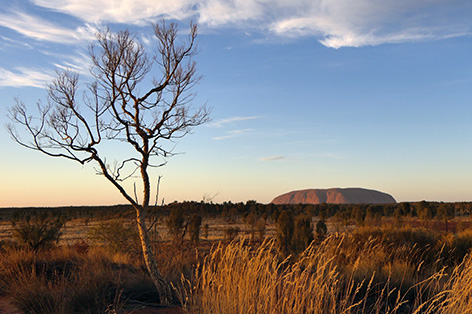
(303, 94)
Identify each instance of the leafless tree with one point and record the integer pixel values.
(114, 109)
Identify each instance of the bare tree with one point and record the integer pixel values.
(113, 109)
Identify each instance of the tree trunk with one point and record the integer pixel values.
(163, 288)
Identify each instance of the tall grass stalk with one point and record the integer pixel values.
(238, 279)
(456, 297)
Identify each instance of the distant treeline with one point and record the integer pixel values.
(230, 211)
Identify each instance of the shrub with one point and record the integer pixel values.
(321, 230)
(457, 245)
(261, 228)
(206, 229)
(256, 224)
(38, 232)
(116, 236)
(175, 223)
(81, 246)
(302, 233)
(194, 228)
(230, 233)
(284, 233)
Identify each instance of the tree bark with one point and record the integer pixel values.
(163, 288)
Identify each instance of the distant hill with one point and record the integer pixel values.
(335, 196)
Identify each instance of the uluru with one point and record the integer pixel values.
(335, 196)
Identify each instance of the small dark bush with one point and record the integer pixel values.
(194, 229)
(321, 230)
(284, 233)
(116, 236)
(231, 233)
(175, 223)
(38, 232)
(302, 233)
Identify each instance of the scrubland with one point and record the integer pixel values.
(390, 266)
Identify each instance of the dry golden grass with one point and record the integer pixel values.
(64, 281)
(456, 295)
(366, 270)
(238, 279)
(377, 270)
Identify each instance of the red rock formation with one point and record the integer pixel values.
(335, 196)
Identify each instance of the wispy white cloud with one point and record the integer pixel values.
(217, 12)
(7, 42)
(122, 11)
(231, 134)
(273, 158)
(25, 77)
(302, 156)
(79, 62)
(41, 29)
(340, 23)
(335, 23)
(222, 122)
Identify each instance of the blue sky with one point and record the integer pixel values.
(304, 94)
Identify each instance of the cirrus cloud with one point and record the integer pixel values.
(42, 29)
(341, 23)
(335, 23)
(121, 11)
(273, 158)
(222, 122)
(22, 77)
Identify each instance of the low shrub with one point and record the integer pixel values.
(116, 236)
(37, 232)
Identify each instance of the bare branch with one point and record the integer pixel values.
(135, 194)
(156, 218)
(157, 188)
(114, 110)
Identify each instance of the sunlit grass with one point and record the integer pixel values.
(62, 280)
(366, 270)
